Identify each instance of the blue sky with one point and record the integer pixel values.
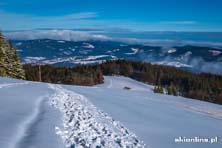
(142, 15)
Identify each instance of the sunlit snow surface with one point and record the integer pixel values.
(37, 115)
(26, 118)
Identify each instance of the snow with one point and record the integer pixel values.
(47, 115)
(172, 50)
(59, 60)
(89, 62)
(121, 82)
(135, 51)
(85, 125)
(87, 45)
(67, 52)
(188, 53)
(116, 50)
(76, 59)
(156, 119)
(33, 60)
(19, 50)
(6, 85)
(215, 52)
(26, 119)
(18, 44)
(96, 57)
(61, 41)
(172, 63)
(56, 117)
(109, 51)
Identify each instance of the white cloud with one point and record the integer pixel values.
(70, 35)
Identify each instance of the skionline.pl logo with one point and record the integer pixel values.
(196, 140)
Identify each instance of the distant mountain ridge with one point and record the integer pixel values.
(10, 65)
(70, 53)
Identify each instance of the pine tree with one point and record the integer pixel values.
(10, 65)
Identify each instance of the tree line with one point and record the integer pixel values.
(79, 75)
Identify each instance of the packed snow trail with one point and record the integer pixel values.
(86, 126)
(26, 125)
(26, 118)
(6, 85)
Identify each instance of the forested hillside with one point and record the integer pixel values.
(79, 75)
(10, 65)
(173, 81)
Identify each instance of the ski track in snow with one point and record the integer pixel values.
(6, 85)
(86, 126)
(26, 125)
(110, 84)
(211, 112)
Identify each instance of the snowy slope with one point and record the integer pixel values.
(156, 119)
(44, 115)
